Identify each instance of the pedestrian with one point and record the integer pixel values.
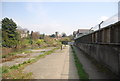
(61, 47)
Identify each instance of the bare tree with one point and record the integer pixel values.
(35, 35)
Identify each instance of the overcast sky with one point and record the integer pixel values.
(49, 17)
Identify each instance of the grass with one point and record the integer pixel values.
(46, 53)
(9, 72)
(4, 69)
(81, 72)
(41, 48)
(16, 74)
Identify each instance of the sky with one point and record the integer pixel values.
(49, 17)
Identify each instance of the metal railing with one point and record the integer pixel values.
(106, 23)
(103, 24)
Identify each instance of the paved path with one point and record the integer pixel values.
(92, 70)
(59, 65)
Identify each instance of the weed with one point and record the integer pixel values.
(17, 74)
(14, 67)
(27, 51)
(4, 69)
(24, 62)
(4, 56)
(14, 53)
(81, 72)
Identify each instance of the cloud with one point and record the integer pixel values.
(103, 18)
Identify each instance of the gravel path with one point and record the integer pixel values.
(58, 65)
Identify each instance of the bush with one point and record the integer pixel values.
(39, 42)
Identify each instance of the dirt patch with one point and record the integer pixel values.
(11, 58)
(6, 51)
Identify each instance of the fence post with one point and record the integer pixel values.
(99, 34)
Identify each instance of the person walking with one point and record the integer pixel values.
(61, 47)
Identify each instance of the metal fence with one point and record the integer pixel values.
(103, 24)
(106, 32)
(106, 23)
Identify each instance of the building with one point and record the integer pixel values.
(81, 32)
(23, 32)
(24, 35)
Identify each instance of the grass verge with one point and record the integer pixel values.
(81, 72)
(15, 71)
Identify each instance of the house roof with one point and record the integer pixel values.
(82, 30)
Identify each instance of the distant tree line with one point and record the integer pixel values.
(14, 36)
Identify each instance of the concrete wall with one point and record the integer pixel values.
(107, 35)
(105, 54)
(104, 46)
